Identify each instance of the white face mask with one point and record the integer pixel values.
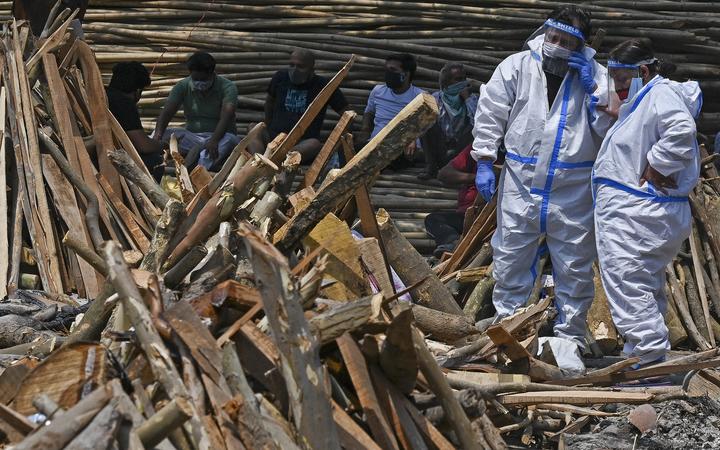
(556, 51)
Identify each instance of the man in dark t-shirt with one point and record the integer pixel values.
(288, 96)
(123, 93)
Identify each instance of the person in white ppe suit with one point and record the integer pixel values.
(546, 105)
(646, 168)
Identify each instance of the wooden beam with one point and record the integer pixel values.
(322, 158)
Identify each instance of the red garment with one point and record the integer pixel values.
(465, 163)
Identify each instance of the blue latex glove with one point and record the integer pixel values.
(585, 71)
(485, 179)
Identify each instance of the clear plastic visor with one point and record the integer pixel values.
(619, 78)
(558, 37)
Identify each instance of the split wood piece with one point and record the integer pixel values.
(59, 433)
(244, 407)
(397, 357)
(181, 173)
(613, 368)
(99, 114)
(507, 344)
(374, 262)
(164, 231)
(457, 418)
(221, 205)
(95, 318)
(387, 145)
(265, 208)
(352, 436)
(67, 206)
(127, 218)
(328, 148)
(150, 341)
(16, 420)
(228, 294)
(572, 428)
(51, 43)
(411, 267)
(318, 104)
(694, 303)
(374, 415)
(29, 167)
(236, 158)
(676, 331)
(442, 326)
(4, 211)
(200, 178)
(599, 321)
(432, 435)
(330, 325)
(698, 261)
(133, 173)
(334, 236)
(470, 244)
(406, 432)
(708, 221)
(301, 366)
(574, 398)
(682, 304)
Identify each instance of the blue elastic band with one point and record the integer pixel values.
(521, 159)
(612, 64)
(653, 197)
(569, 29)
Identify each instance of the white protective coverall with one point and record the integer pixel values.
(638, 229)
(545, 186)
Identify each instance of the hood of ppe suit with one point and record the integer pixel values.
(690, 93)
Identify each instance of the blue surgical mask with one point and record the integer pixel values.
(636, 86)
(456, 88)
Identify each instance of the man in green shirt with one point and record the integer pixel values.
(209, 102)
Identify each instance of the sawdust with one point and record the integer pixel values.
(682, 424)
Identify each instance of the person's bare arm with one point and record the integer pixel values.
(166, 115)
(451, 177)
(143, 144)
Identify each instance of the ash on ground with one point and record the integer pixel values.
(682, 424)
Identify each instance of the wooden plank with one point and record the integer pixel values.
(127, 217)
(373, 259)
(200, 178)
(4, 212)
(506, 343)
(585, 398)
(432, 434)
(66, 204)
(328, 148)
(488, 378)
(484, 222)
(352, 436)
(358, 370)
(334, 236)
(181, 173)
(313, 109)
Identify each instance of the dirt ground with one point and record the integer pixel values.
(682, 424)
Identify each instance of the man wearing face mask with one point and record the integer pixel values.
(209, 102)
(452, 131)
(387, 100)
(544, 105)
(288, 96)
(123, 93)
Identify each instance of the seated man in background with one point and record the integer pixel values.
(289, 94)
(447, 227)
(456, 112)
(123, 93)
(209, 102)
(387, 100)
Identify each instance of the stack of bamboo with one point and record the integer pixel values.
(254, 317)
(251, 39)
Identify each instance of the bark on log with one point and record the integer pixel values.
(442, 326)
(164, 231)
(344, 318)
(163, 422)
(599, 321)
(682, 304)
(693, 299)
(480, 298)
(411, 268)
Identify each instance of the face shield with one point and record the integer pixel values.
(561, 40)
(625, 80)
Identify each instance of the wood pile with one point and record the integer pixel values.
(253, 317)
